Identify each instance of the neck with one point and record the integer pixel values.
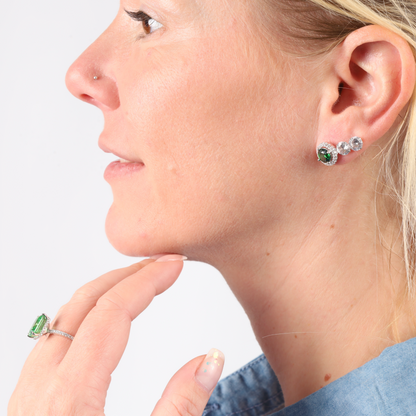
(318, 290)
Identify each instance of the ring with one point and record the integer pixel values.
(41, 327)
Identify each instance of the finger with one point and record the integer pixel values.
(189, 390)
(71, 315)
(86, 297)
(103, 335)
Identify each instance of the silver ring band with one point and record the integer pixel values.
(57, 332)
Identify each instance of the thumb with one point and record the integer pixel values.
(189, 390)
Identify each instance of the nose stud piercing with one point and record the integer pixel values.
(95, 78)
(328, 154)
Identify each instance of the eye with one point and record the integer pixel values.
(149, 24)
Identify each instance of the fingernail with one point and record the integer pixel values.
(209, 372)
(171, 257)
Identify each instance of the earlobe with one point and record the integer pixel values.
(371, 79)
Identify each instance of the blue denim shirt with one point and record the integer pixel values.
(384, 386)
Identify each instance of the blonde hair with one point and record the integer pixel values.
(315, 27)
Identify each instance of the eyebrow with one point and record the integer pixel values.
(181, 5)
(178, 7)
(170, 4)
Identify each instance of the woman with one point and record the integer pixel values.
(223, 114)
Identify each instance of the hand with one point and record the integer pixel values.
(67, 378)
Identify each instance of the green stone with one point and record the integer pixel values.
(38, 326)
(324, 156)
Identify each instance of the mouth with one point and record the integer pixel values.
(122, 158)
(122, 169)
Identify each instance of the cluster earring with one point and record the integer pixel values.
(328, 154)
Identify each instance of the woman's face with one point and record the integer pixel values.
(194, 100)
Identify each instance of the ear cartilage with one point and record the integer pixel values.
(328, 154)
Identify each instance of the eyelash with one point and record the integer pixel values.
(140, 16)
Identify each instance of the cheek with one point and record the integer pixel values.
(194, 119)
(186, 98)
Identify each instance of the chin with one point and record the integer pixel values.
(132, 241)
(123, 238)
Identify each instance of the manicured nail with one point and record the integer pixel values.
(209, 372)
(171, 257)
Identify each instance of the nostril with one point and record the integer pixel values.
(102, 93)
(85, 97)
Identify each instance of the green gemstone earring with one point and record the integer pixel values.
(328, 154)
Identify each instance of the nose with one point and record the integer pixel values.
(91, 79)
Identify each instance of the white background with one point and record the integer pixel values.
(53, 205)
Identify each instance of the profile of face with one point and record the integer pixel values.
(220, 128)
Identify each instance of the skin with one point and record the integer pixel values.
(228, 140)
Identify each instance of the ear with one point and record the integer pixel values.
(370, 79)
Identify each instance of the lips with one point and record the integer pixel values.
(123, 158)
(122, 171)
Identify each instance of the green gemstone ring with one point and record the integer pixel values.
(41, 327)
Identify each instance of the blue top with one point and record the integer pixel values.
(385, 386)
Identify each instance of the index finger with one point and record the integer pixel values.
(71, 315)
(86, 297)
(103, 335)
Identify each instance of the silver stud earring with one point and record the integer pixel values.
(95, 78)
(328, 154)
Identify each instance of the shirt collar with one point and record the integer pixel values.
(385, 385)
